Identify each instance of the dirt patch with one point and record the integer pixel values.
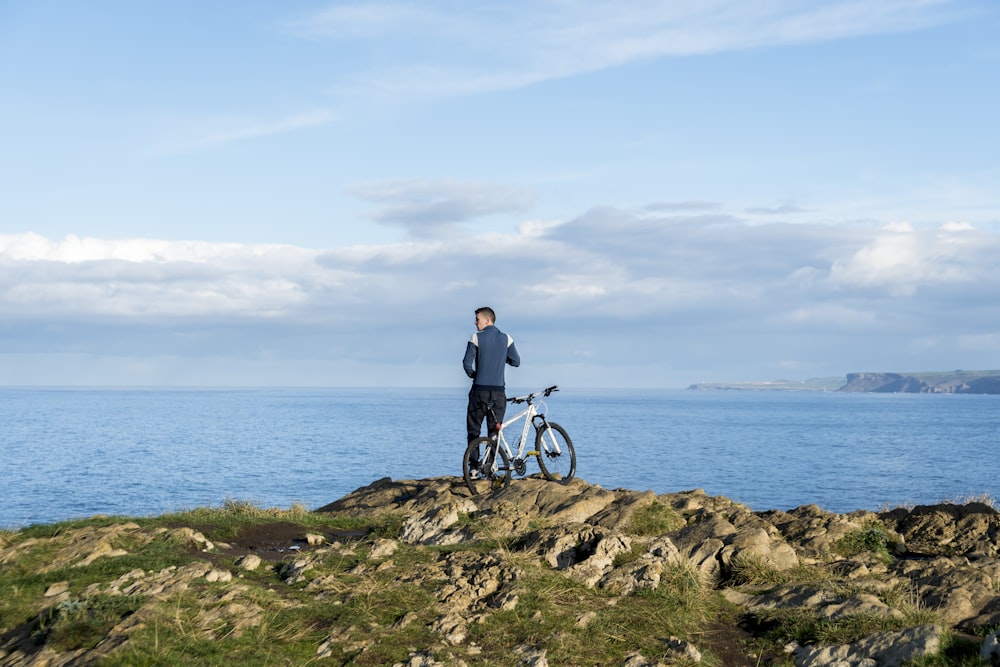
(730, 644)
(275, 541)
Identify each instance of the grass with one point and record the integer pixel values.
(655, 519)
(750, 569)
(553, 613)
(349, 610)
(82, 623)
(225, 522)
(871, 538)
(777, 627)
(804, 626)
(359, 613)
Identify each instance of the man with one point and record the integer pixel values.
(485, 356)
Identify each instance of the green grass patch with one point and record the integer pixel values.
(632, 555)
(576, 625)
(47, 530)
(750, 569)
(655, 519)
(871, 538)
(805, 626)
(266, 623)
(82, 623)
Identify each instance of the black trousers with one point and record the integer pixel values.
(477, 411)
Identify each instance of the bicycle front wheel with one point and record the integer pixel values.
(487, 478)
(556, 456)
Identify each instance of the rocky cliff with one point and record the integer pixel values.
(959, 382)
(948, 382)
(537, 574)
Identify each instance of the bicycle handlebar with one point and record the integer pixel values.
(530, 397)
(521, 399)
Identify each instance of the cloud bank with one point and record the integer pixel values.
(650, 297)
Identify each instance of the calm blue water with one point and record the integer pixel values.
(70, 453)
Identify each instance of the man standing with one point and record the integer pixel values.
(485, 356)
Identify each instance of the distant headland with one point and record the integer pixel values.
(932, 382)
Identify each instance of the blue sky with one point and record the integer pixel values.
(649, 194)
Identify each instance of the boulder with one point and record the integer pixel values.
(972, 529)
(587, 552)
(887, 649)
(434, 525)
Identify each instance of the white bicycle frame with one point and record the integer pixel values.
(534, 409)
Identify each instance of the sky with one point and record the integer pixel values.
(649, 194)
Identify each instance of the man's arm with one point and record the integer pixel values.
(513, 358)
(469, 362)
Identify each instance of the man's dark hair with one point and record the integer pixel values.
(488, 312)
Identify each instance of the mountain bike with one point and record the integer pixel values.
(553, 448)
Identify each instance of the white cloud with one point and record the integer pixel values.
(231, 130)
(720, 292)
(74, 249)
(509, 46)
(427, 208)
(536, 227)
(144, 277)
(780, 209)
(893, 261)
(669, 207)
(903, 259)
(398, 51)
(900, 226)
(370, 19)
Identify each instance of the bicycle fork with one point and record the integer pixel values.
(538, 421)
(551, 446)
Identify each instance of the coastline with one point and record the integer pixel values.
(929, 382)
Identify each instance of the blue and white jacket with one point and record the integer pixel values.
(485, 356)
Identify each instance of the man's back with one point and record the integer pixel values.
(486, 354)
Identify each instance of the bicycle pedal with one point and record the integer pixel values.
(533, 452)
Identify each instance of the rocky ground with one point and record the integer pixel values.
(941, 558)
(932, 573)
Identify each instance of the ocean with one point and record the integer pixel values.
(69, 452)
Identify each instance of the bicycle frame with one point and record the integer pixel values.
(529, 414)
(533, 415)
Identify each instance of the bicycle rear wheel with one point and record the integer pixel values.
(489, 479)
(556, 456)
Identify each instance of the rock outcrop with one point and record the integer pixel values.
(928, 572)
(939, 562)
